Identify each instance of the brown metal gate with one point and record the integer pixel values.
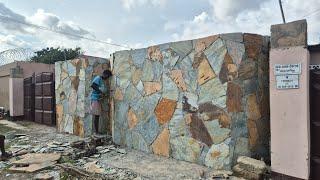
(28, 88)
(45, 98)
(315, 123)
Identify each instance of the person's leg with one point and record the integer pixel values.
(96, 123)
(3, 151)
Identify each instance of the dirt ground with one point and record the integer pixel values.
(107, 161)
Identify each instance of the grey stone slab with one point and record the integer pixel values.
(218, 156)
(149, 129)
(215, 55)
(170, 89)
(217, 133)
(186, 149)
(289, 34)
(138, 57)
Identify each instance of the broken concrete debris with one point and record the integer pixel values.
(250, 168)
(34, 162)
(83, 156)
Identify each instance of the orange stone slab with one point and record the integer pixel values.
(151, 87)
(253, 109)
(132, 119)
(165, 110)
(154, 53)
(161, 145)
(234, 97)
(252, 43)
(176, 76)
(205, 72)
(203, 43)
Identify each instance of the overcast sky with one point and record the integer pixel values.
(140, 23)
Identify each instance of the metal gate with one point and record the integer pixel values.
(315, 122)
(45, 98)
(28, 87)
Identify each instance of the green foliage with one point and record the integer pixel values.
(52, 55)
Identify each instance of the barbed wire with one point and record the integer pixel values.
(16, 54)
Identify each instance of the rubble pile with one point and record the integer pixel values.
(78, 158)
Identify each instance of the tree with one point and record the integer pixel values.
(52, 55)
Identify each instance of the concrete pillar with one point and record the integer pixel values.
(16, 94)
(289, 105)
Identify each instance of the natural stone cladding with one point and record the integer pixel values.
(72, 87)
(204, 101)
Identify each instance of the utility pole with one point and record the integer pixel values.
(283, 18)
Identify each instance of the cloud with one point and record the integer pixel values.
(9, 25)
(18, 35)
(226, 9)
(131, 4)
(53, 22)
(250, 16)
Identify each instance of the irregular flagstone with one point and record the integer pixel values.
(253, 133)
(149, 129)
(147, 74)
(253, 43)
(205, 72)
(236, 51)
(161, 145)
(139, 143)
(118, 94)
(185, 148)
(157, 70)
(78, 128)
(154, 53)
(237, 37)
(132, 94)
(209, 112)
(59, 113)
(170, 58)
(190, 102)
(203, 135)
(224, 71)
(132, 119)
(145, 107)
(138, 57)
(253, 110)
(152, 87)
(136, 76)
(140, 87)
(234, 97)
(177, 125)
(183, 48)
(241, 147)
(217, 133)
(188, 72)
(177, 77)
(218, 156)
(215, 54)
(68, 124)
(202, 43)
(248, 70)
(165, 110)
(213, 91)
(170, 89)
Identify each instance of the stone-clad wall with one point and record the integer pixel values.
(72, 86)
(203, 100)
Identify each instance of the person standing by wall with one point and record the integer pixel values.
(98, 93)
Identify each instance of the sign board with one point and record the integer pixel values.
(290, 81)
(284, 69)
